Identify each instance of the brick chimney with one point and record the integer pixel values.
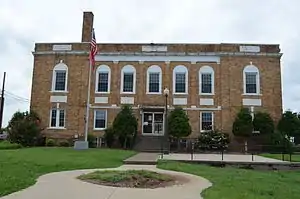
(87, 25)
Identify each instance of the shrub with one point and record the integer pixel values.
(63, 143)
(7, 145)
(24, 128)
(91, 139)
(279, 143)
(213, 140)
(109, 136)
(50, 142)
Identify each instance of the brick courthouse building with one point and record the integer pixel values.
(210, 81)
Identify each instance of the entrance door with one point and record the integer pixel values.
(153, 124)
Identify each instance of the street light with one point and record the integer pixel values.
(166, 93)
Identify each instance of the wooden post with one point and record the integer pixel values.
(2, 101)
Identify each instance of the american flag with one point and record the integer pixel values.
(93, 50)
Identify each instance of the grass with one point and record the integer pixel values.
(229, 183)
(295, 157)
(119, 176)
(7, 145)
(20, 168)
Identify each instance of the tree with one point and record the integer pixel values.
(243, 126)
(125, 125)
(24, 128)
(289, 124)
(178, 124)
(263, 123)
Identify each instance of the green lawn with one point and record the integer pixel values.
(230, 183)
(20, 168)
(295, 157)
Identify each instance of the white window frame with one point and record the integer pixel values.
(212, 116)
(59, 67)
(180, 69)
(251, 68)
(154, 69)
(57, 119)
(128, 69)
(207, 70)
(94, 126)
(105, 69)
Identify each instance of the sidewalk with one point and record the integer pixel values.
(64, 185)
(143, 159)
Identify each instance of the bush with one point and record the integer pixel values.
(24, 128)
(7, 145)
(213, 140)
(91, 139)
(50, 142)
(63, 143)
(279, 143)
(109, 136)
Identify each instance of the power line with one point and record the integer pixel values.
(16, 98)
(10, 94)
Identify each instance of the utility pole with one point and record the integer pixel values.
(2, 100)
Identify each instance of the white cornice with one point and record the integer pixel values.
(162, 107)
(166, 54)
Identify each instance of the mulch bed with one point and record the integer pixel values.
(143, 182)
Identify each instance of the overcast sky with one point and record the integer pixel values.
(22, 23)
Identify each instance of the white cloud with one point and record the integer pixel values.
(196, 21)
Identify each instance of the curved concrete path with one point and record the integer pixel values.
(64, 185)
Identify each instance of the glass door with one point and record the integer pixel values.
(153, 124)
(147, 123)
(158, 124)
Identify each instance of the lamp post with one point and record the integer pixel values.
(166, 93)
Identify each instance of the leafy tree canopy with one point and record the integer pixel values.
(24, 128)
(264, 123)
(289, 124)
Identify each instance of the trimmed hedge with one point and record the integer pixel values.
(7, 145)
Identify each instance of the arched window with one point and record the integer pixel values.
(251, 80)
(103, 74)
(60, 77)
(128, 79)
(180, 80)
(154, 79)
(206, 80)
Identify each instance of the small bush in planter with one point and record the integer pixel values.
(64, 143)
(50, 142)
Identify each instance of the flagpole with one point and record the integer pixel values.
(87, 114)
(88, 104)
